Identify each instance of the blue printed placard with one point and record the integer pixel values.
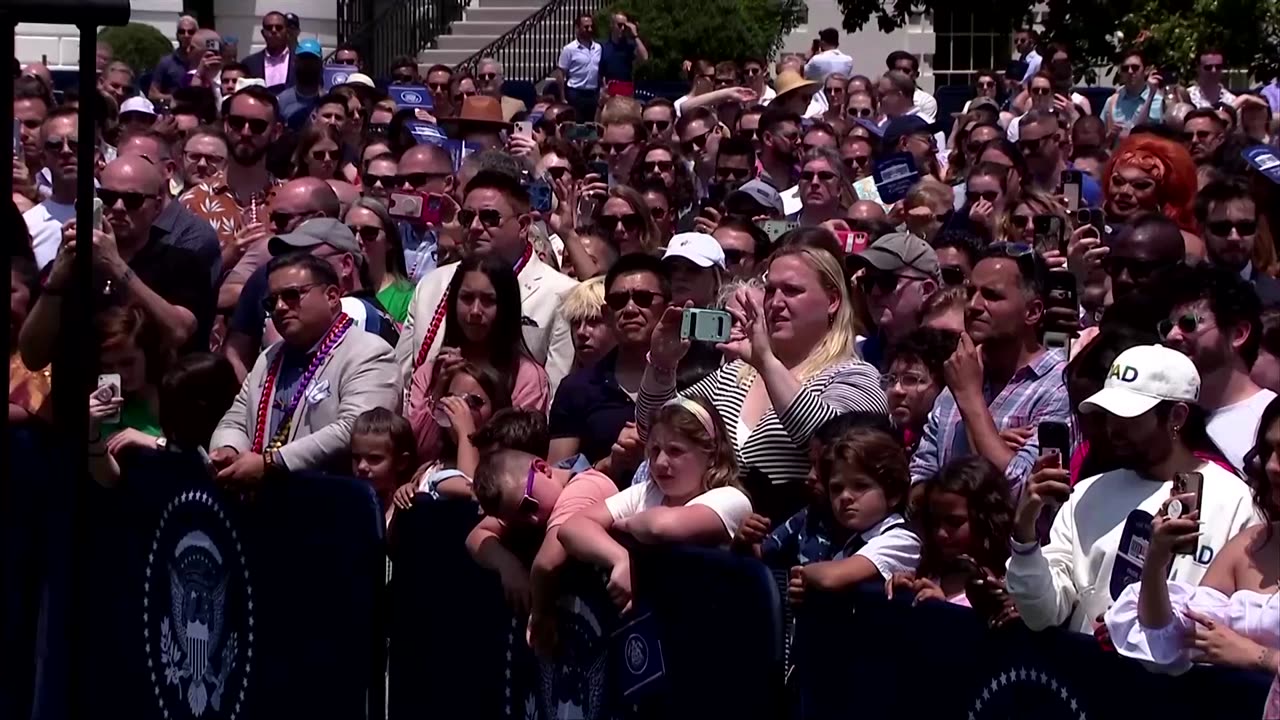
(411, 96)
(335, 75)
(425, 132)
(894, 176)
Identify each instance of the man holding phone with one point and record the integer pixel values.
(1148, 397)
(1043, 140)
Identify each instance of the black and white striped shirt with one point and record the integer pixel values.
(778, 447)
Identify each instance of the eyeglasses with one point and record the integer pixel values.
(885, 282)
(323, 155)
(1131, 69)
(206, 158)
(367, 233)
(657, 126)
(728, 173)
(459, 97)
(1032, 146)
(695, 144)
(642, 299)
(528, 504)
(132, 200)
(857, 112)
(488, 217)
(986, 84)
(631, 222)
(473, 401)
(1223, 228)
(185, 33)
(237, 123)
(291, 296)
(384, 181)
(273, 27)
(657, 166)
(823, 175)
(1211, 67)
(418, 179)
(616, 148)
(990, 196)
(752, 71)
(1188, 323)
(908, 380)
(557, 171)
(56, 144)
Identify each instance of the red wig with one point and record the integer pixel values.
(1172, 168)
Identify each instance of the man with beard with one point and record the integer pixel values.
(59, 141)
(900, 270)
(1216, 321)
(1000, 377)
(1229, 215)
(1153, 428)
(780, 153)
(1203, 131)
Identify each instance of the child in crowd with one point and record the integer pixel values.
(692, 496)
(465, 399)
(965, 519)
(383, 452)
(866, 478)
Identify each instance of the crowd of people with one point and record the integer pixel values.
(964, 394)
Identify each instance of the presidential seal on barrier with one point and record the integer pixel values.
(198, 611)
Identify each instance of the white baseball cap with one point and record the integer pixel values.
(359, 79)
(244, 82)
(137, 104)
(1141, 377)
(698, 248)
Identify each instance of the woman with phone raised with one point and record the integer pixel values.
(792, 367)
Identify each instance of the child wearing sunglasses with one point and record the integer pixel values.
(692, 496)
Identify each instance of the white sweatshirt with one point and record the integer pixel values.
(1070, 576)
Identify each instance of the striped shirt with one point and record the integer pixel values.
(779, 444)
(1036, 392)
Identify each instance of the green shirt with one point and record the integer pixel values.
(135, 414)
(395, 298)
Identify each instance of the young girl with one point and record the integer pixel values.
(692, 496)
(382, 452)
(465, 398)
(482, 326)
(866, 478)
(965, 520)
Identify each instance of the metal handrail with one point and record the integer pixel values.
(529, 50)
(404, 27)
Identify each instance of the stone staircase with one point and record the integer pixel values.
(483, 22)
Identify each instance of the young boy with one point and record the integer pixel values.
(520, 490)
(383, 451)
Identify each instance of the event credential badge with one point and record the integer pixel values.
(197, 611)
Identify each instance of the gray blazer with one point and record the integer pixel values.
(358, 375)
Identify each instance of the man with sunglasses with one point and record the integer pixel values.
(577, 73)
(295, 409)
(618, 54)
(1041, 140)
(735, 164)
(404, 71)
(1203, 130)
(915, 135)
(1000, 377)
(1216, 321)
(520, 491)
(1228, 213)
(59, 142)
(1150, 244)
(427, 170)
(489, 82)
(659, 118)
(780, 154)
(699, 134)
(275, 62)
(1208, 92)
(899, 271)
(1140, 98)
(172, 68)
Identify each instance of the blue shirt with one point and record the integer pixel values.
(1125, 107)
(295, 107)
(420, 248)
(592, 407)
(293, 363)
(170, 72)
(1090, 190)
(804, 538)
(617, 59)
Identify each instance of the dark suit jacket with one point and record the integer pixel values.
(1268, 289)
(258, 67)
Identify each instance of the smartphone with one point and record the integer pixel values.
(17, 138)
(1049, 234)
(1055, 437)
(853, 241)
(540, 196)
(431, 211)
(716, 193)
(1072, 180)
(524, 129)
(1188, 483)
(587, 208)
(406, 205)
(599, 167)
(108, 389)
(775, 229)
(705, 325)
(213, 45)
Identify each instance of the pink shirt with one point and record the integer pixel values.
(586, 489)
(276, 68)
(531, 391)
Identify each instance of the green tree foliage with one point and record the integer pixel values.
(676, 30)
(139, 45)
(1169, 32)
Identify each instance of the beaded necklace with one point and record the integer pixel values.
(437, 319)
(336, 332)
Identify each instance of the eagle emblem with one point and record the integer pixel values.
(192, 635)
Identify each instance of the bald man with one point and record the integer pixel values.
(865, 210)
(135, 264)
(346, 192)
(172, 68)
(182, 227)
(204, 62)
(426, 169)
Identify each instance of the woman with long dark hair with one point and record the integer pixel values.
(319, 153)
(482, 326)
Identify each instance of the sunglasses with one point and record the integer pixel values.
(656, 126)
(418, 179)
(1131, 68)
(281, 220)
(1223, 228)
(657, 166)
(290, 295)
(856, 112)
(643, 299)
(1019, 221)
(473, 401)
(557, 172)
(1028, 147)
(323, 155)
(1041, 91)
(631, 222)
(367, 233)
(823, 175)
(909, 381)
(273, 28)
(733, 256)
(383, 181)
(237, 123)
(857, 161)
(1201, 135)
(1187, 323)
(695, 144)
(1211, 67)
(614, 148)
(56, 144)
(488, 77)
(132, 200)
(885, 282)
(728, 173)
(748, 135)
(528, 505)
(488, 217)
(1137, 269)
(952, 275)
(752, 71)
(986, 84)
(990, 196)
(197, 158)
(437, 87)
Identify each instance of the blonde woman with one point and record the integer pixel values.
(792, 366)
(592, 336)
(928, 205)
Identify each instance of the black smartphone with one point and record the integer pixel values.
(1095, 217)
(1071, 181)
(599, 167)
(1055, 436)
(1049, 234)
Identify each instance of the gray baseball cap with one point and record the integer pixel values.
(898, 251)
(317, 231)
(760, 193)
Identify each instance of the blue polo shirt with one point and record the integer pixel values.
(592, 407)
(170, 72)
(617, 60)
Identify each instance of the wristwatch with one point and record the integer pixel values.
(162, 443)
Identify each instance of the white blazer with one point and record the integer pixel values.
(546, 332)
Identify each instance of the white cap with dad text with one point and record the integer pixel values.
(1141, 377)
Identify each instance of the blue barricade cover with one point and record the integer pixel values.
(862, 656)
